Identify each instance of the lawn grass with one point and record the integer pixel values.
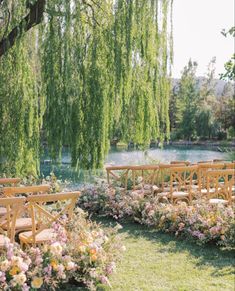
(156, 261)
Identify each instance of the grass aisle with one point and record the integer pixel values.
(155, 261)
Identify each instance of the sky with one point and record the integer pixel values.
(196, 30)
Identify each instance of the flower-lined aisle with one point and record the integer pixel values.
(201, 222)
(85, 254)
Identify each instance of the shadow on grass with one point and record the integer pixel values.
(207, 255)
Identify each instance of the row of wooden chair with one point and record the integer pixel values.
(180, 180)
(31, 215)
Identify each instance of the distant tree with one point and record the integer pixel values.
(207, 104)
(187, 101)
(229, 66)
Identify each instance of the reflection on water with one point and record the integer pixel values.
(132, 157)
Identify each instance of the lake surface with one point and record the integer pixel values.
(118, 156)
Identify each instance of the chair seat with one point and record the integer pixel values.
(3, 211)
(179, 194)
(218, 201)
(43, 236)
(155, 188)
(204, 191)
(21, 224)
(163, 194)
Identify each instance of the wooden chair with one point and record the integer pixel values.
(222, 181)
(118, 173)
(43, 216)
(8, 221)
(23, 221)
(205, 162)
(181, 182)
(229, 165)
(27, 190)
(202, 170)
(6, 181)
(148, 173)
(186, 163)
(164, 175)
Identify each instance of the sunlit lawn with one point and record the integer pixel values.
(155, 261)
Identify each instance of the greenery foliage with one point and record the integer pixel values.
(195, 110)
(97, 69)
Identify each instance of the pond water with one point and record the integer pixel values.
(119, 156)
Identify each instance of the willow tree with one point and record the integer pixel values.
(107, 66)
(105, 70)
(20, 117)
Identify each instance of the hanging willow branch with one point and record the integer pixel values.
(33, 18)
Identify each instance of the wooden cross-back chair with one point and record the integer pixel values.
(202, 170)
(23, 221)
(118, 173)
(43, 216)
(222, 181)
(187, 163)
(148, 173)
(164, 175)
(8, 221)
(229, 165)
(7, 181)
(27, 190)
(181, 183)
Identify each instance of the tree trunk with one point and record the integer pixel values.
(34, 17)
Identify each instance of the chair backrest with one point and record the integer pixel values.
(222, 182)
(164, 173)
(5, 181)
(181, 178)
(180, 162)
(229, 165)
(118, 173)
(202, 170)
(14, 207)
(148, 173)
(13, 191)
(44, 216)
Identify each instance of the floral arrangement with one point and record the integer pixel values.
(201, 222)
(85, 254)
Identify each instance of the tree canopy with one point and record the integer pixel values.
(91, 70)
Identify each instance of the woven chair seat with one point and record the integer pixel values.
(43, 236)
(177, 194)
(218, 201)
(21, 224)
(204, 191)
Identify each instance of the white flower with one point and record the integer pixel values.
(17, 261)
(56, 249)
(19, 279)
(70, 266)
(5, 265)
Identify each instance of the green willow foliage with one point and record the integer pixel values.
(105, 73)
(20, 119)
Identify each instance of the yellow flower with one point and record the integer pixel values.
(37, 282)
(92, 251)
(54, 264)
(94, 258)
(15, 270)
